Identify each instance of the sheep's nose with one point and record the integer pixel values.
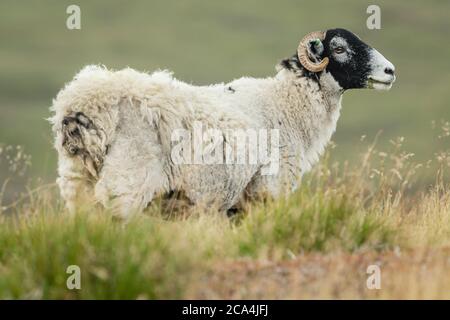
(389, 71)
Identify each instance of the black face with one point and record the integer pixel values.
(352, 63)
(350, 58)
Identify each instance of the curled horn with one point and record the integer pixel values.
(302, 52)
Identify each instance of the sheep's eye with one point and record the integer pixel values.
(339, 50)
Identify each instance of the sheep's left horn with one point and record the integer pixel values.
(302, 52)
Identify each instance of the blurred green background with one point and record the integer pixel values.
(216, 41)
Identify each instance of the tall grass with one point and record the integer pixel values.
(371, 207)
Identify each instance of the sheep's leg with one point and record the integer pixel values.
(75, 192)
(133, 170)
(125, 206)
(75, 188)
(120, 195)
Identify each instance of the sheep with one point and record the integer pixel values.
(114, 130)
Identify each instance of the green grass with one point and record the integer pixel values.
(312, 222)
(155, 258)
(369, 207)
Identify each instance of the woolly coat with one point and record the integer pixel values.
(134, 114)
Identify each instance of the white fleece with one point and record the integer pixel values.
(135, 114)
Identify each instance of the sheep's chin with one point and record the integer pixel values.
(379, 85)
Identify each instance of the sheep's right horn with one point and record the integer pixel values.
(302, 52)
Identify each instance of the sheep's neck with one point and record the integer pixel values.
(309, 118)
